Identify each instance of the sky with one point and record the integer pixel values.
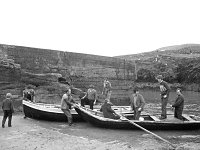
(99, 27)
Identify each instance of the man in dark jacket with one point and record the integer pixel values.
(164, 92)
(29, 94)
(179, 104)
(137, 103)
(7, 107)
(108, 112)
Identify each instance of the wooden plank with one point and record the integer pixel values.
(171, 118)
(187, 117)
(155, 118)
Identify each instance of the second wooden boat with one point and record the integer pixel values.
(149, 122)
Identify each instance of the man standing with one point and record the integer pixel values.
(107, 89)
(66, 103)
(137, 103)
(164, 92)
(7, 107)
(178, 104)
(91, 97)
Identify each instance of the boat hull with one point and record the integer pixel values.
(124, 124)
(43, 112)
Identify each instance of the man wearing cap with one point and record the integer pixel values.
(108, 112)
(7, 107)
(91, 96)
(164, 92)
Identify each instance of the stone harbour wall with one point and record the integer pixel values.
(41, 67)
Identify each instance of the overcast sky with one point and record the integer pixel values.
(100, 27)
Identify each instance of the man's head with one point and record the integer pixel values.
(135, 90)
(106, 100)
(8, 95)
(68, 91)
(178, 91)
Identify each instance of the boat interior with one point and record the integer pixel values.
(125, 112)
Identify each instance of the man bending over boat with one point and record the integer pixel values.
(137, 103)
(29, 94)
(66, 103)
(108, 112)
(178, 104)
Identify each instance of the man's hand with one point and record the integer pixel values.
(139, 109)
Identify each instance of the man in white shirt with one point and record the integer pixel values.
(107, 89)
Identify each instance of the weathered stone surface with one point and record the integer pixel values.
(13, 79)
(39, 79)
(81, 70)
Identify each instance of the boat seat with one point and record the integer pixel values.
(187, 117)
(155, 118)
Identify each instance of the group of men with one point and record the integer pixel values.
(90, 97)
(137, 101)
(179, 101)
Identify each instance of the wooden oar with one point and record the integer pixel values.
(133, 123)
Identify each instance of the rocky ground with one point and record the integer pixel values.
(29, 134)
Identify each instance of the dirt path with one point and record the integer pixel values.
(28, 134)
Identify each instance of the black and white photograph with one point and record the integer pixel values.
(99, 75)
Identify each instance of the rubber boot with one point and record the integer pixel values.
(70, 122)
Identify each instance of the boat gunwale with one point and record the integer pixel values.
(44, 107)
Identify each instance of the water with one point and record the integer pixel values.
(191, 104)
(153, 96)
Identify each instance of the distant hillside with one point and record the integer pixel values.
(177, 51)
(179, 63)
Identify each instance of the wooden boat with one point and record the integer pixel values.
(149, 122)
(50, 112)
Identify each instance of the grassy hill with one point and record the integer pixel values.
(177, 51)
(179, 63)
